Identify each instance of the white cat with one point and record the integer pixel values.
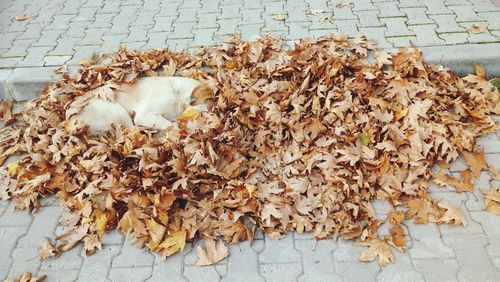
(153, 102)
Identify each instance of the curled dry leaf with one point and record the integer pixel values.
(212, 253)
(492, 200)
(280, 17)
(479, 27)
(27, 277)
(476, 162)
(22, 17)
(343, 4)
(46, 250)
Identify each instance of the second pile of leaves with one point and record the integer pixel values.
(297, 140)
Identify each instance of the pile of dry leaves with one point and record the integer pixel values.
(298, 140)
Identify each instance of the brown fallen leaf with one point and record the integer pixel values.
(316, 12)
(396, 238)
(27, 277)
(212, 254)
(22, 17)
(452, 215)
(377, 248)
(280, 17)
(343, 4)
(476, 162)
(46, 250)
(492, 200)
(383, 58)
(479, 27)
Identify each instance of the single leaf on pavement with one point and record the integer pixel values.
(476, 162)
(174, 243)
(46, 250)
(479, 27)
(22, 17)
(212, 254)
(452, 214)
(378, 248)
(492, 200)
(280, 17)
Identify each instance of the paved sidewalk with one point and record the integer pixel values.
(436, 253)
(66, 31)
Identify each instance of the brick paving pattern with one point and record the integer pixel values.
(65, 31)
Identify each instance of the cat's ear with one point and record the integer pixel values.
(200, 94)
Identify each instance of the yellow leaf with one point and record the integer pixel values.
(175, 242)
(476, 162)
(479, 71)
(364, 138)
(188, 114)
(156, 231)
(100, 221)
(13, 169)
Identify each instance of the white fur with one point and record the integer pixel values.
(156, 102)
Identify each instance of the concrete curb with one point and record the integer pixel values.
(22, 84)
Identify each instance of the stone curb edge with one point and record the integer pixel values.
(22, 84)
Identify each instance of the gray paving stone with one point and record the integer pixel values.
(389, 9)
(417, 15)
(131, 255)
(426, 35)
(48, 38)
(113, 237)
(317, 260)
(427, 242)
(402, 41)
(296, 15)
(281, 251)
(243, 264)
(250, 32)
(436, 7)
(281, 272)
(410, 4)
(9, 237)
(56, 60)
(475, 200)
(465, 13)
(35, 57)
(19, 48)
(362, 5)
(403, 270)
(347, 27)
(43, 225)
(368, 19)
(377, 34)
(447, 270)
(7, 38)
(230, 12)
(483, 5)
(344, 13)
(357, 271)
(96, 266)
(157, 40)
(475, 263)
(130, 274)
(69, 260)
(60, 22)
(204, 37)
(24, 259)
(15, 217)
(491, 226)
(171, 268)
(298, 30)
(396, 27)
(227, 26)
(83, 52)
(447, 24)
(183, 30)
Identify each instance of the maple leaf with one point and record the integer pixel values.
(396, 238)
(383, 58)
(492, 200)
(422, 209)
(268, 211)
(173, 243)
(377, 248)
(213, 254)
(452, 214)
(476, 162)
(46, 250)
(156, 231)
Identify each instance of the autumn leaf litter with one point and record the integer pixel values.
(297, 140)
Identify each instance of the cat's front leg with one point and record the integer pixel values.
(152, 120)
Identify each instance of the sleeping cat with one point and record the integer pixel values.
(155, 101)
